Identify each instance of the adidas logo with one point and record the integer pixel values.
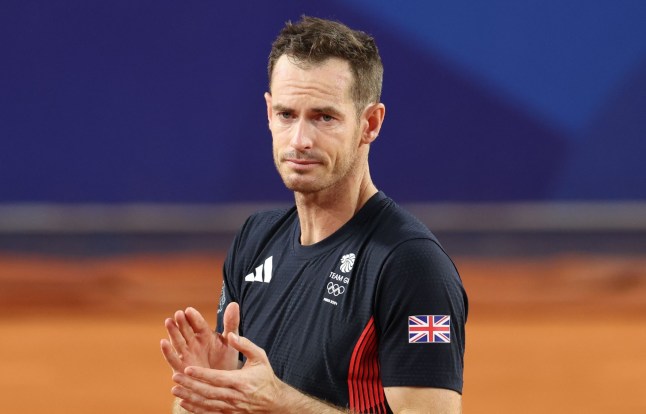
(262, 270)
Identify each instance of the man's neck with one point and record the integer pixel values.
(322, 213)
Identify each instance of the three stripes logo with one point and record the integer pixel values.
(263, 272)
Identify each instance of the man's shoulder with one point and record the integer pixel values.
(265, 221)
(265, 218)
(399, 224)
(258, 229)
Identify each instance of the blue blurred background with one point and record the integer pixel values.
(161, 101)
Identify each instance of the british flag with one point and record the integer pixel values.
(426, 329)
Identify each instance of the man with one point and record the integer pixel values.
(345, 302)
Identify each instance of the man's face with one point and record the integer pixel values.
(314, 124)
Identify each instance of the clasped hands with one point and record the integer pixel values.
(206, 367)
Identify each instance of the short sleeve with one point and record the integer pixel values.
(421, 311)
(225, 299)
(229, 290)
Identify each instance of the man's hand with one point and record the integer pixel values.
(192, 343)
(252, 389)
(255, 389)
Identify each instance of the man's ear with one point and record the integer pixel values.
(372, 119)
(269, 109)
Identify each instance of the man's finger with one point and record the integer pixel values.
(197, 322)
(217, 390)
(176, 337)
(184, 326)
(253, 352)
(204, 405)
(171, 356)
(215, 377)
(231, 319)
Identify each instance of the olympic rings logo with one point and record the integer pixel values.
(334, 289)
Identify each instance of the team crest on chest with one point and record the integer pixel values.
(338, 280)
(347, 262)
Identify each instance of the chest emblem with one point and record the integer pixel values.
(347, 261)
(339, 282)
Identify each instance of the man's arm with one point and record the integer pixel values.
(414, 400)
(251, 389)
(419, 283)
(255, 388)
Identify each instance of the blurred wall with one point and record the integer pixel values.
(161, 101)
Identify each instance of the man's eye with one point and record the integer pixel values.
(326, 118)
(284, 115)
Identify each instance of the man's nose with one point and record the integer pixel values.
(302, 135)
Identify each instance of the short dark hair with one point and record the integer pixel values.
(313, 41)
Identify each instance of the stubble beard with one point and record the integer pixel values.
(309, 183)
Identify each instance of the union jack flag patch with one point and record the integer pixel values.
(428, 329)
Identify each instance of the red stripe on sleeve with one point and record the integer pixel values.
(365, 389)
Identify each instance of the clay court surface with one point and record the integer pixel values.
(558, 334)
